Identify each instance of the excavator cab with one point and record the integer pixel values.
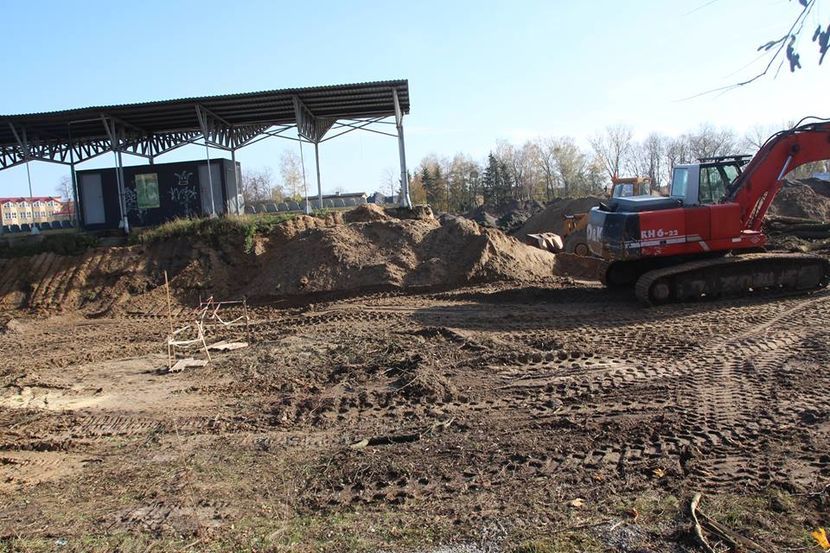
(705, 183)
(626, 187)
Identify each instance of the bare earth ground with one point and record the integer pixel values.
(496, 418)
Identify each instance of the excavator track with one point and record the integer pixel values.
(733, 276)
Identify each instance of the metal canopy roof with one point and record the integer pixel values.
(228, 122)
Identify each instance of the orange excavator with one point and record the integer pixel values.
(705, 238)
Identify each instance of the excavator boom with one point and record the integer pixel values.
(756, 187)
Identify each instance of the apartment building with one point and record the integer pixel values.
(38, 209)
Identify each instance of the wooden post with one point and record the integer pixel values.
(247, 319)
(169, 310)
(204, 342)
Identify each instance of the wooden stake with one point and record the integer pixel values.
(247, 319)
(202, 337)
(169, 310)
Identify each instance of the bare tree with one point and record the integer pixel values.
(648, 158)
(65, 193)
(291, 174)
(708, 141)
(258, 186)
(613, 148)
(678, 150)
(570, 164)
(390, 183)
(522, 165)
(756, 135)
(594, 177)
(64, 188)
(546, 164)
(531, 181)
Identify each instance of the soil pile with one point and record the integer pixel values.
(385, 251)
(803, 199)
(552, 218)
(799, 218)
(365, 213)
(365, 248)
(507, 217)
(819, 186)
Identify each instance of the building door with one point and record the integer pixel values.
(92, 199)
(204, 188)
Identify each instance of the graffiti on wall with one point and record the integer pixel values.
(184, 178)
(131, 205)
(186, 199)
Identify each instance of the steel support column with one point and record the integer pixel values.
(238, 178)
(317, 163)
(122, 204)
(210, 180)
(208, 120)
(76, 206)
(302, 165)
(115, 136)
(24, 145)
(34, 229)
(404, 200)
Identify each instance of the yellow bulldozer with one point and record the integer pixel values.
(573, 238)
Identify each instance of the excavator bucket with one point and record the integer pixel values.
(549, 241)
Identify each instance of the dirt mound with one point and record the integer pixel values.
(301, 223)
(506, 217)
(303, 255)
(819, 186)
(396, 253)
(131, 277)
(799, 199)
(552, 218)
(365, 213)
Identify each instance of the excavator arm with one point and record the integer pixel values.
(755, 188)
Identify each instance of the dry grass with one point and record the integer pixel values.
(214, 231)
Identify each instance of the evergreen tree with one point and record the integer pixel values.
(490, 179)
(506, 184)
(440, 185)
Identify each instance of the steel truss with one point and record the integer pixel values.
(119, 137)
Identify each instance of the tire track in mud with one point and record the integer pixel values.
(714, 395)
(715, 409)
(72, 435)
(748, 398)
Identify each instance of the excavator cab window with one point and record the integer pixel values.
(623, 190)
(714, 180)
(679, 182)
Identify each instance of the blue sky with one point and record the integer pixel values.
(478, 71)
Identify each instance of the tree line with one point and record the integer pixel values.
(541, 169)
(551, 167)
